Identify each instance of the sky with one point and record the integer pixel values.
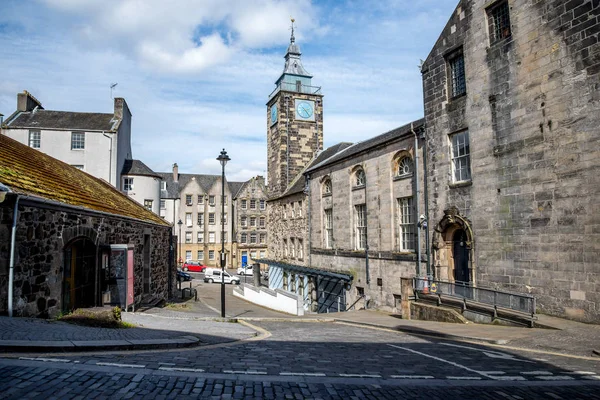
(196, 74)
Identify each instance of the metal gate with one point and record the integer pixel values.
(332, 295)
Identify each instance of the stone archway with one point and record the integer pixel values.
(453, 248)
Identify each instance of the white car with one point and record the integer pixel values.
(214, 275)
(245, 271)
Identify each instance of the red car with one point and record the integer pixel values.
(193, 266)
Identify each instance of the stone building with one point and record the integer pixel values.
(251, 221)
(71, 240)
(512, 110)
(192, 204)
(364, 206)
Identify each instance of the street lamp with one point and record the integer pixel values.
(223, 158)
(179, 246)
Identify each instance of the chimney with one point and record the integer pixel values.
(26, 102)
(175, 173)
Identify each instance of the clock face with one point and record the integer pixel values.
(273, 113)
(305, 110)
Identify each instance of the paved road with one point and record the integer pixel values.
(307, 360)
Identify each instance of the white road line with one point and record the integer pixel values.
(181, 369)
(411, 376)
(120, 365)
(536, 373)
(45, 359)
(360, 376)
(556, 378)
(446, 361)
(591, 377)
(581, 373)
(489, 353)
(245, 372)
(508, 396)
(302, 374)
(493, 372)
(465, 378)
(509, 378)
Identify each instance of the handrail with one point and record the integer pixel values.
(362, 296)
(293, 87)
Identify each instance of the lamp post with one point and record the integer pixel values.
(179, 240)
(223, 158)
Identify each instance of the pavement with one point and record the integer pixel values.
(197, 323)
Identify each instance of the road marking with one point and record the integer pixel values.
(411, 376)
(556, 378)
(181, 369)
(245, 372)
(509, 378)
(493, 372)
(446, 361)
(45, 359)
(508, 396)
(554, 396)
(360, 376)
(591, 377)
(489, 353)
(120, 365)
(466, 378)
(302, 374)
(581, 373)
(536, 373)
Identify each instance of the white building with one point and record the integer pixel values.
(141, 184)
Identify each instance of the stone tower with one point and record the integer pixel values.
(294, 122)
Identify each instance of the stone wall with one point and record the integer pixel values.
(532, 111)
(41, 237)
(282, 228)
(253, 189)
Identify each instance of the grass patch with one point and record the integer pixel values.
(98, 318)
(177, 306)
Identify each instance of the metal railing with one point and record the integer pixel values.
(521, 303)
(294, 87)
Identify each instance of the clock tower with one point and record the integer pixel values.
(294, 122)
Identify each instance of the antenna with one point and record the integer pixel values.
(112, 86)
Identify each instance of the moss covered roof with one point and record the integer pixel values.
(28, 171)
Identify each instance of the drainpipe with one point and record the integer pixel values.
(11, 265)
(307, 191)
(287, 146)
(430, 273)
(368, 275)
(417, 200)
(110, 159)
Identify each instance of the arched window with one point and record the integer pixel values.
(359, 177)
(327, 186)
(404, 167)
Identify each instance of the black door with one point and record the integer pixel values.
(461, 256)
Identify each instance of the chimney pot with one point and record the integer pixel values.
(175, 173)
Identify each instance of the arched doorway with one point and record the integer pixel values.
(79, 275)
(453, 248)
(460, 253)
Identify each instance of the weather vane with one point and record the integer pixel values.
(293, 39)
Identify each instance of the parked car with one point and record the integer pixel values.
(214, 275)
(193, 266)
(247, 270)
(183, 276)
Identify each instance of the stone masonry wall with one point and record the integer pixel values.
(283, 228)
(254, 189)
(41, 237)
(532, 111)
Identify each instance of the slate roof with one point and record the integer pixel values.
(299, 182)
(30, 172)
(368, 144)
(62, 120)
(136, 167)
(205, 181)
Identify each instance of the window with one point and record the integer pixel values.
(224, 199)
(404, 167)
(224, 218)
(244, 238)
(211, 254)
(253, 204)
(244, 221)
(299, 209)
(360, 212)
(188, 219)
(127, 184)
(300, 249)
(359, 178)
(163, 185)
(263, 204)
(261, 222)
(253, 238)
(252, 221)
(148, 204)
(244, 204)
(35, 139)
(461, 159)
(200, 237)
(293, 209)
(163, 205)
(200, 255)
(285, 248)
(77, 141)
(263, 254)
(406, 227)
(329, 228)
(499, 21)
(211, 237)
(200, 199)
(285, 211)
(211, 218)
(211, 200)
(292, 247)
(458, 86)
(253, 255)
(201, 219)
(188, 237)
(327, 187)
(263, 238)
(188, 199)
(188, 255)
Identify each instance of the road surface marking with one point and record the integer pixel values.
(181, 369)
(467, 378)
(592, 377)
(302, 374)
(45, 359)
(245, 372)
(581, 373)
(120, 365)
(508, 396)
(555, 378)
(493, 372)
(536, 373)
(489, 353)
(509, 378)
(446, 361)
(411, 376)
(360, 376)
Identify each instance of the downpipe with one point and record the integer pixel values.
(11, 265)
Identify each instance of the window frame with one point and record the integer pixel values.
(188, 236)
(200, 236)
(328, 228)
(212, 237)
(499, 12)
(253, 238)
(211, 254)
(188, 200)
(459, 158)
(200, 255)
(35, 142)
(148, 203)
(359, 178)
(127, 184)
(244, 237)
(212, 218)
(457, 78)
(327, 188)
(211, 200)
(405, 221)
(244, 204)
(360, 226)
(188, 219)
(404, 162)
(77, 140)
(200, 220)
(262, 204)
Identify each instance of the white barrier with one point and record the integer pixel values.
(277, 299)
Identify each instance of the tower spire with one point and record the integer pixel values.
(292, 38)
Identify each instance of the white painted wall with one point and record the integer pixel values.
(145, 187)
(275, 300)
